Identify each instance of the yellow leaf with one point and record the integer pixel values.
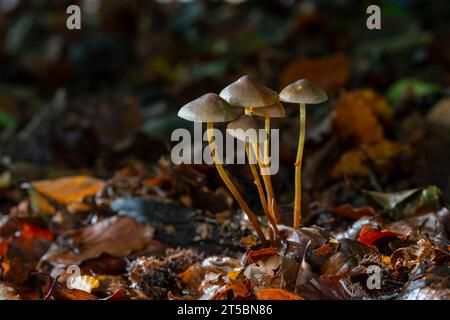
(353, 162)
(63, 190)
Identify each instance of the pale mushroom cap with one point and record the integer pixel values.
(247, 92)
(208, 108)
(273, 111)
(246, 128)
(303, 91)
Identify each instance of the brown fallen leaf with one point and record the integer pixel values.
(116, 236)
(239, 288)
(63, 190)
(254, 256)
(276, 294)
(323, 250)
(349, 212)
(63, 293)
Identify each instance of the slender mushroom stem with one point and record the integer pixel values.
(262, 196)
(250, 214)
(267, 181)
(266, 143)
(298, 168)
(274, 206)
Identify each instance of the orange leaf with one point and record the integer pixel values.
(323, 250)
(330, 73)
(254, 256)
(355, 119)
(276, 294)
(63, 190)
(30, 231)
(239, 288)
(370, 236)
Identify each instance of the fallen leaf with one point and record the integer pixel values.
(410, 86)
(347, 257)
(254, 256)
(116, 236)
(239, 289)
(62, 190)
(406, 203)
(355, 118)
(276, 294)
(349, 212)
(374, 237)
(323, 288)
(428, 282)
(323, 250)
(30, 231)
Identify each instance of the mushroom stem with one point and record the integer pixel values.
(250, 214)
(262, 196)
(298, 169)
(266, 143)
(273, 207)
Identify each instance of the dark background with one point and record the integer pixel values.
(94, 99)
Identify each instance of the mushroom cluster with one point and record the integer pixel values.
(257, 101)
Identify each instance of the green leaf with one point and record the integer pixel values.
(390, 200)
(406, 203)
(7, 120)
(415, 86)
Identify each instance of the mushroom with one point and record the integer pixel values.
(239, 129)
(274, 111)
(211, 108)
(302, 91)
(250, 94)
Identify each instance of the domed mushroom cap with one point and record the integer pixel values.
(273, 111)
(303, 91)
(247, 92)
(246, 128)
(208, 108)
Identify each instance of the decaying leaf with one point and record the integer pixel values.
(346, 258)
(349, 212)
(428, 282)
(276, 294)
(62, 190)
(406, 203)
(116, 236)
(370, 236)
